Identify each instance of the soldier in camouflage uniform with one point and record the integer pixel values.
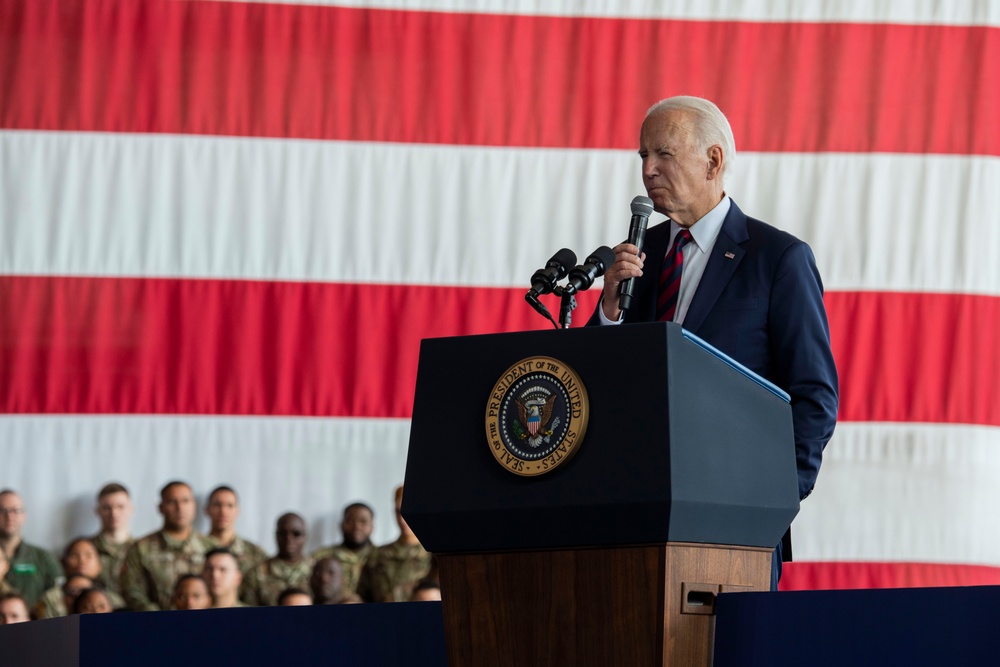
(394, 569)
(114, 507)
(31, 570)
(357, 547)
(222, 510)
(289, 569)
(79, 559)
(154, 563)
(223, 576)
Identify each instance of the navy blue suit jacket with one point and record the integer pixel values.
(763, 306)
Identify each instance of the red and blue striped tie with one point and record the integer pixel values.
(670, 278)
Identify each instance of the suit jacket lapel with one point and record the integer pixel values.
(655, 248)
(720, 269)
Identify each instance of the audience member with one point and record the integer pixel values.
(356, 548)
(5, 588)
(327, 582)
(13, 609)
(93, 601)
(394, 569)
(222, 573)
(79, 558)
(114, 508)
(289, 569)
(191, 592)
(32, 570)
(154, 563)
(222, 510)
(426, 590)
(294, 597)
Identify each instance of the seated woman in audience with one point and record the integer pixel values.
(191, 592)
(92, 601)
(80, 558)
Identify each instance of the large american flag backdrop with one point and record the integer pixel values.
(225, 228)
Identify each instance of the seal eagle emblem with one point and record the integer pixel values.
(536, 416)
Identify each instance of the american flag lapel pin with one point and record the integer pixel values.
(730, 255)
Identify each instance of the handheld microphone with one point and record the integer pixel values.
(583, 276)
(544, 280)
(641, 208)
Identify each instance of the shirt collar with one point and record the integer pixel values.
(707, 228)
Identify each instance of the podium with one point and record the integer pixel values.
(678, 489)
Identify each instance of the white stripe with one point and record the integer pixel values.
(310, 466)
(904, 492)
(954, 12)
(218, 207)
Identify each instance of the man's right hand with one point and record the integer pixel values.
(627, 265)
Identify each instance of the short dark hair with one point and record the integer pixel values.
(289, 592)
(188, 577)
(426, 585)
(224, 551)
(220, 489)
(112, 487)
(171, 484)
(359, 505)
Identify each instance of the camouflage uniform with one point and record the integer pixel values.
(33, 571)
(248, 554)
(154, 563)
(265, 582)
(53, 605)
(392, 572)
(112, 559)
(352, 561)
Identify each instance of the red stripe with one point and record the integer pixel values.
(910, 357)
(802, 576)
(278, 70)
(112, 345)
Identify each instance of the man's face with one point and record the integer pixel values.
(290, 534)
(192, 594)
(12, 515)
(327, 580)
(356, 527)
(674, 169)
(177, 507)
(222, 573)
(82, 558)
(13, 611)
(222, 510)
(115, 510)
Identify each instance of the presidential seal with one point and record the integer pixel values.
(536, 416)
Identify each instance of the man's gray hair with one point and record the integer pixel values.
(711, 126)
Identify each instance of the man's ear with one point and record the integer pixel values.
(715, 162)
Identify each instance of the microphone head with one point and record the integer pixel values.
(602, 258)
(564, 259)
(642, 205)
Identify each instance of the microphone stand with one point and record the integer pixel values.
(567, 304)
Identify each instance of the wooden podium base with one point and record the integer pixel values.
(634, 606)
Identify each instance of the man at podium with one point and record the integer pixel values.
(743, 286)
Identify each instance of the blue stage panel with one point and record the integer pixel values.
(911, 626)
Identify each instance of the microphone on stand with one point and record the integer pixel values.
(583, 276)
(545, 279)
(641, 209)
